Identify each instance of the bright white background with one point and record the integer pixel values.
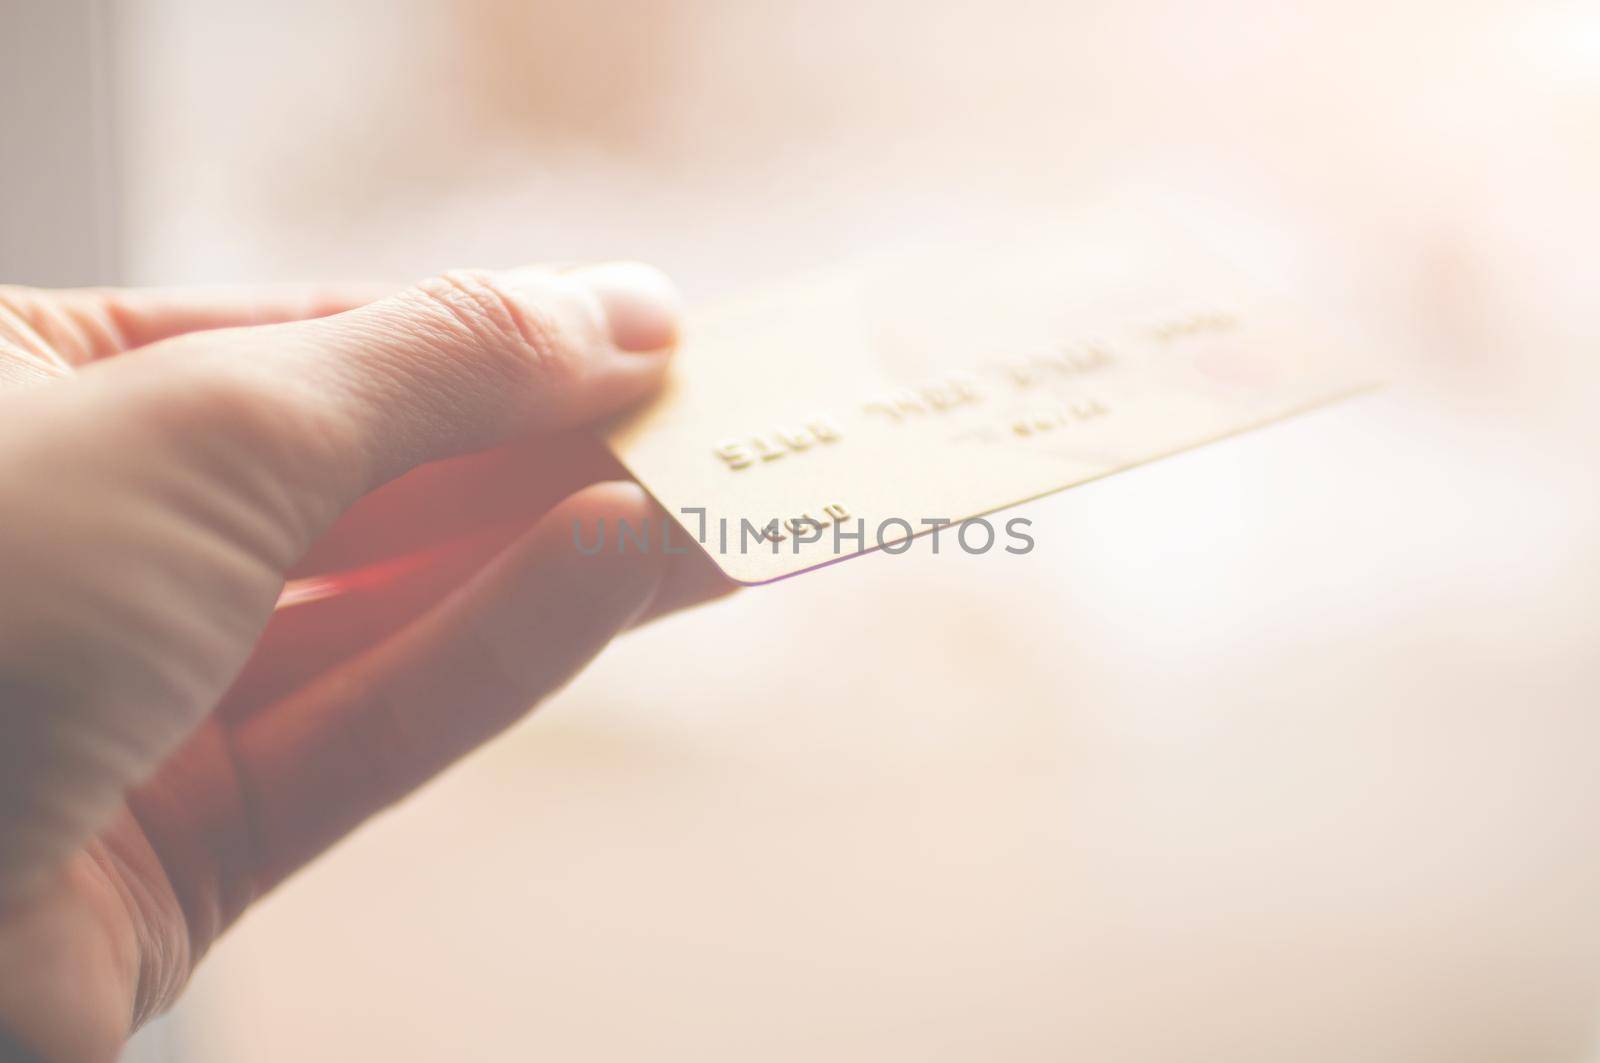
(1280, 750)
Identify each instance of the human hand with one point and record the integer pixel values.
(166, 462)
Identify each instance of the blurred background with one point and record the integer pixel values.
(1283, 749)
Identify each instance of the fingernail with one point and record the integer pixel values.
(640, 303)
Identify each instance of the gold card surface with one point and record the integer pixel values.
(846, 412)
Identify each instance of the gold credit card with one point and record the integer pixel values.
(909, 392)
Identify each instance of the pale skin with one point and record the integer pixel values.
(172, 744)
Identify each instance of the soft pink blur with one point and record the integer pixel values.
(1279, 750)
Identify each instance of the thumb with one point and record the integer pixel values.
(278, 428)
(154, 500)
(453, 364)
